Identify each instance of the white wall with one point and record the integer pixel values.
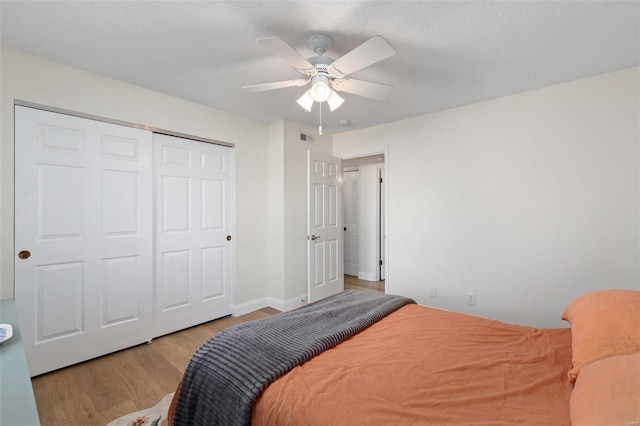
(288, 212)
(528, 200)
(32, 79)
(276, 222)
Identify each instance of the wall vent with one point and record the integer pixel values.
(306, 138)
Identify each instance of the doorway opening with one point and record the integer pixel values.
(364, 222)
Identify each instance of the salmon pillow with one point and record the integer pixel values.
(607, 393)
(603, 324)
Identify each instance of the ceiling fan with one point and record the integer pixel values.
(328, 75)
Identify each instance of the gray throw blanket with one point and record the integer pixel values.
(227, 374)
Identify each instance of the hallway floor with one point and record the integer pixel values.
(354, 283)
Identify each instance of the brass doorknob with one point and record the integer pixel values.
(228, 237)
(24, 254)
(315, 237)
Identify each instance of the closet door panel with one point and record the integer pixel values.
(175, 281)
(213, 272)
(194, 278)
(83, 205)
(120, 300)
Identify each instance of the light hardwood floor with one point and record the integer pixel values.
(98, 391)
(354, 283)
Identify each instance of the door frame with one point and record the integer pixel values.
(382, 249)
(380, 219)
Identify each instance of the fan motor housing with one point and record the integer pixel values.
(321, 62)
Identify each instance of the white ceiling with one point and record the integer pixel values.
(449, 53)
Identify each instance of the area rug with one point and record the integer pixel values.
(153, 416)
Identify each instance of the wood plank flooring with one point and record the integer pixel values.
(354, 283)
(98, 391)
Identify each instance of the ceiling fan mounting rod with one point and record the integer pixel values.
(320, 43)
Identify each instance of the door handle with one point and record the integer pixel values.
(315, 237)
(24, 254)
(228, 237)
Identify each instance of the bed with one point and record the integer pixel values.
(412, 364)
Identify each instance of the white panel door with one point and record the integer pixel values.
(325, 261)
(194, 247)
(83, 268)
(350, 221)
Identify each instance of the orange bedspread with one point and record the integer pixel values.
(426, 366)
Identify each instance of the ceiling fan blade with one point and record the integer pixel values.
(367, 89)
(371, 51)
(275, 85)
(279, 48)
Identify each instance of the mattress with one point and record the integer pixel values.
(421, 365)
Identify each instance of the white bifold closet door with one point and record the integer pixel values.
(193, 219)
(121, 235)
(83, 233)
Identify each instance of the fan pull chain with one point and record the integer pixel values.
(320, 126)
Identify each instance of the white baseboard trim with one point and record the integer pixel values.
(295, 302)
(276, 303)
(272, 302)
(253, 305)
(365, 276)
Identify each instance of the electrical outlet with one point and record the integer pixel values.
(433, 292)
(471, 299)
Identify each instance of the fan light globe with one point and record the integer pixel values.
(334, 100)
(320, 91)
(306, 100)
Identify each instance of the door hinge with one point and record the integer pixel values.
(381, 263)
(381, 180)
